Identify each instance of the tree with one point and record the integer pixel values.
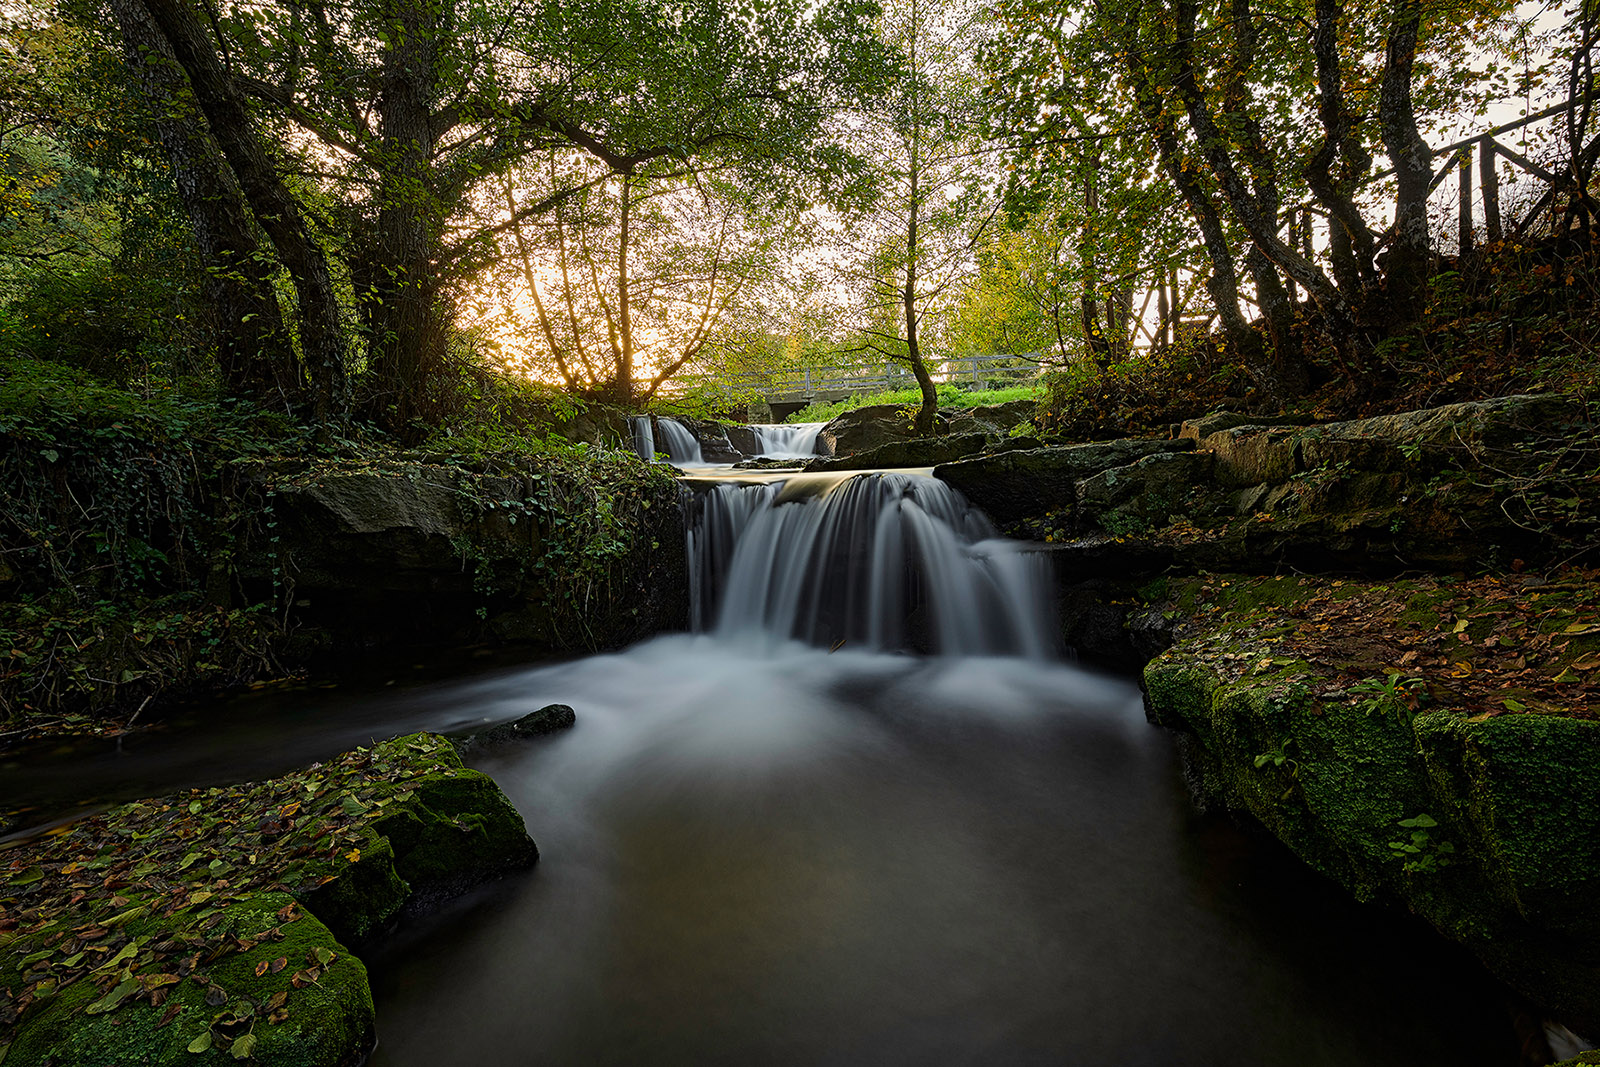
(630, 281)
(361, 141)
(912, 249)
(1250, 111)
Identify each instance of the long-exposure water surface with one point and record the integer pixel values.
(755, 851)
(876, 859)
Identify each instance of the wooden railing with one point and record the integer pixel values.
(797, 383)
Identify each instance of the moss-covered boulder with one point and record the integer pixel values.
(556, 550)
(215, 923)
(1467, 797)
(254, 978)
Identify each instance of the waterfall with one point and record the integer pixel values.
(678, 442)
(876, 561)
(796, 440)
(644, 437)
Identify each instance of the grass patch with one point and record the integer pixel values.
(950, 396)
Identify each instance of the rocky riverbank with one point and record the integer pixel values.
(1376, 639)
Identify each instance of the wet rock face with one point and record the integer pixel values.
(1442, 488)
(1011, 486)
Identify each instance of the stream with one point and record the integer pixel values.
(938, 843)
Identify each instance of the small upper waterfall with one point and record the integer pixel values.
(681, 445)
(797, 440)
(874, 561)
(644, 437)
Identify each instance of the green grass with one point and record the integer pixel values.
(950, 396)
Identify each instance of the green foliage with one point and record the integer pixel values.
(1142, 395)
(104, 491)
(1395, 692)
(1419, 850)
(60, 662)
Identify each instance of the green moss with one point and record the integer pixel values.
(1517, 798)
(327, 1022)
(198, 881)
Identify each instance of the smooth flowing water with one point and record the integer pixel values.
(758, 851)
(791, 440)
(681, 446)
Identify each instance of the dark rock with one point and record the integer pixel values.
(863, 428)
(1012, 486)
(915, 452)
(1146, 493)
(744, 440)
(765, 464)
(1203, 427)
(1014, 444)
(412, 553)
(1093, 615)
(547, 720)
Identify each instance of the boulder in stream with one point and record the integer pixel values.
(220, 920)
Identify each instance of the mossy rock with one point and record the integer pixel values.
(437, 835)
(103, 928)
(319, 998)
(1507, 807)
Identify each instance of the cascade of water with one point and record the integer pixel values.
(796, 440)
(644, 437)
(878, 561)
(678, 442)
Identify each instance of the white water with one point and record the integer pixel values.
(681, 446)
(644, 437)
(878, 561)
(795, 440)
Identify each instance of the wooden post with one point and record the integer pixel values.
(1490, 175)
(1464, 222)
(1163, 311)
(1294, 242)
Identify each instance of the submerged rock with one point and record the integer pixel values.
(547, 720)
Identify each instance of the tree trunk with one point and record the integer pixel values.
(928, 412)
(1261, 226)
(321, 331)
(1406, 272)
(624, 300)
(1288, 378)
(1094, 337)
(1352, 245)
(254, 357)
(409, 331)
